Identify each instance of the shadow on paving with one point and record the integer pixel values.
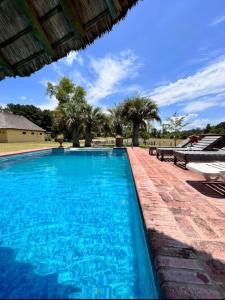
(186, 272)
(214, 189)
(210, 189)
(170, 159)
(19, 281)
(167, 159)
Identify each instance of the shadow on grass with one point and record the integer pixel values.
(19, 281)
(214, 189)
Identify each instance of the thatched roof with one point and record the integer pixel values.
(34, 33)
(11, 121)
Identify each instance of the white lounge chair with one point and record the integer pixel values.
(211, 171)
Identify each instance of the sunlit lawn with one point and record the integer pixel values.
(10, 147)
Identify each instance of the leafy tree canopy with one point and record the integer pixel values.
(65, 90)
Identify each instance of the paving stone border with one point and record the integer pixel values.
(24, 151)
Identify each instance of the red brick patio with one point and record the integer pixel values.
(185, 221)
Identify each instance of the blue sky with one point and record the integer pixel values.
(173, 51)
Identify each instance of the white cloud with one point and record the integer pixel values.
(110, 72)
(71, 57)
(205, 103)
(23, 97)
(45, 82)
(51, 103)
(192, 120)
(217, 20)
(197, 123)
(78, 78)
(58, 69)
(197, 106)
(190, 116)
(204, 89)
(105, 76)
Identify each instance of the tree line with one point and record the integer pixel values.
(76, 119)
(74, 116)
(216, 129)
(176, 124)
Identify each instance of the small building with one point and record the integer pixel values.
(14, 128)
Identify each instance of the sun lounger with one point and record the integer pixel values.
(211, 171)
(161, 151)
(199, 156)
(206, 143)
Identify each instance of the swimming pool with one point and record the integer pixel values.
(70, 227)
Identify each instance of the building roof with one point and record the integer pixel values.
(11, 121)
(35, 33)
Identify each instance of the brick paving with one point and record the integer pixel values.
(184, 218)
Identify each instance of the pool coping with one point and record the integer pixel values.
(151, 256)
(73, 149)
(26, 151)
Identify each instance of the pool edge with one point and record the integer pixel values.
(139, 200)
(27, 151)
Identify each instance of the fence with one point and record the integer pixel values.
(128, 142)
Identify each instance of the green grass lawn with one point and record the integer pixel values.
(9, 147)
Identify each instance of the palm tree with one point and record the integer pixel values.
(105, 128)
(59, 123)
(93, 119)
(137, 110)
(116, 119)
(74, 111)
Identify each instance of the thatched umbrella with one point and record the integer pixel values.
(35, 33)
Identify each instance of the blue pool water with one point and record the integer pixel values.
(70, 227)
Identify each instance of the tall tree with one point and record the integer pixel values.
(207, 129)
(59, 125)
(93, 119)
(71, 106)
(74, 112)
(105, 127)
(175, 124)
(117, 119)
(137, 110)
